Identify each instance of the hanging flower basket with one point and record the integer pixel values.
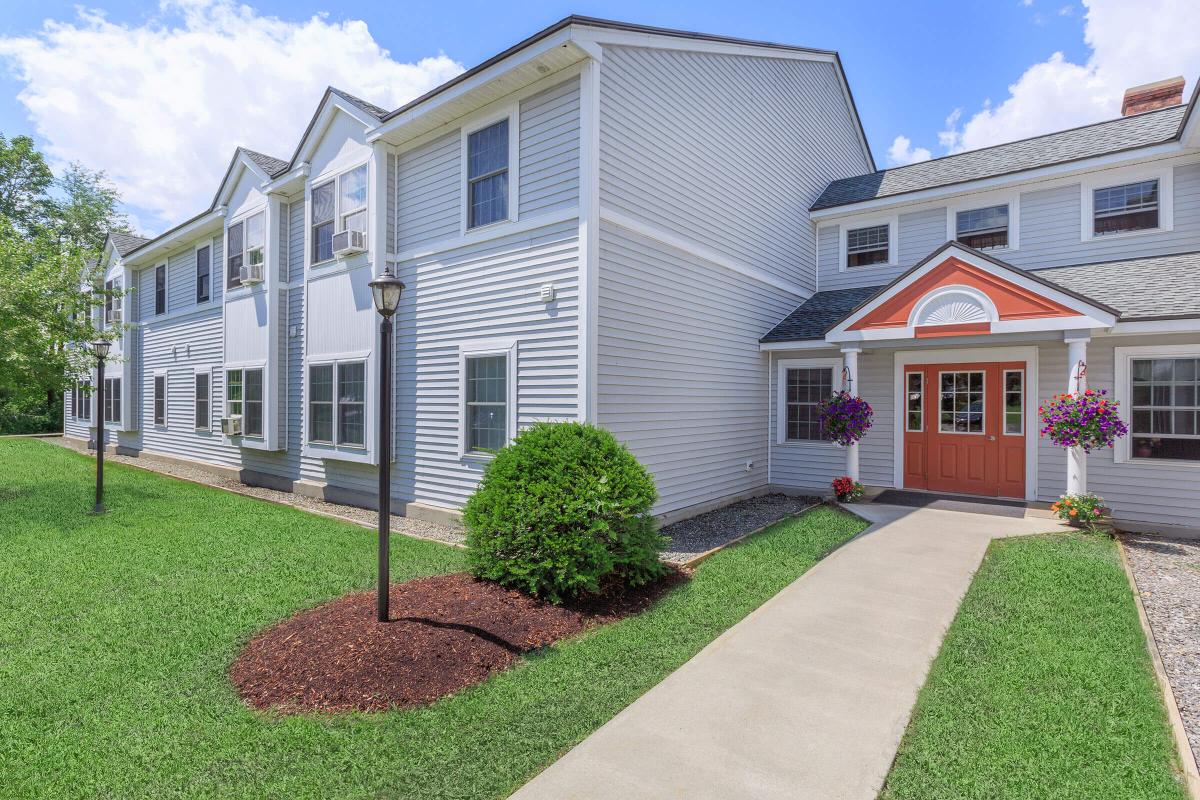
(1085, 419)
(845, 418)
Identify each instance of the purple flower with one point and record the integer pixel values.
(845, 418)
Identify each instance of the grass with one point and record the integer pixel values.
(116, 633)
(1043, 687)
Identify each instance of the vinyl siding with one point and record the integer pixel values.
(1143, 490)
(296, 233)
(427, 193)
(481, 292)
(815, 465)
(549, 150)
(729, 151)
(680, 376)
(1049, 235)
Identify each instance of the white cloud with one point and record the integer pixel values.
(1131, 44)
(902, 152)
(161, 105)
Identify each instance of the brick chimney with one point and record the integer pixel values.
(1153, 96)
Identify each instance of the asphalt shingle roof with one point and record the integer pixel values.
(125, 243)
(1125, 133)
(1156, 287)
(270, 165)
(370, 108)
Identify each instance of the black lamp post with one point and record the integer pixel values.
(100, 349)
(385, 291)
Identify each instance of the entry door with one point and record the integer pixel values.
(964, 428)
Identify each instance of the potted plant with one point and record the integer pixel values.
(847, 489)
(1086, 419)
(1085, 511)
(845, 418)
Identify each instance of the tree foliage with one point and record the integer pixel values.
(52, 232)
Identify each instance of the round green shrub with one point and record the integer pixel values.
(564, 511)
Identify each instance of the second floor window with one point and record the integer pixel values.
(203, 274)
(339, 204)
(160, 289)
(233, 255)
(866, 246)
(244, 241)
(487, 175)
(983, 228)
(112, 302)
(1120, 209)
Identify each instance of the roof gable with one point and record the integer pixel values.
(334, 102)
(958, 290)
(244, 160)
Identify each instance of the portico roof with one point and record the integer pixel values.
(1140, 289)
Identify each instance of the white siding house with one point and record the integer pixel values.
(681, 238)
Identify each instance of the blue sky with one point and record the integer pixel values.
(910, 65)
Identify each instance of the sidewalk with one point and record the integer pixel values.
(808, 696)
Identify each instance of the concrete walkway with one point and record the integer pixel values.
(809, 695)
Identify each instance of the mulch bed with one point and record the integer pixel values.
(447, 632)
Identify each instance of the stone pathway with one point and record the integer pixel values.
(1167, 572)
(808, 696)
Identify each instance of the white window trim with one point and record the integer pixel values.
(196, 272)
(114, 424)
(782, 367)
(1118, 177)
(229, 223)
(511, 112)
(363, 454)
(971, 202)
(893, 223)
(486, 347)
(166, 418)
(254, 439)
(207, 427)
(1122, 375)
(334, 173)
(166, 268)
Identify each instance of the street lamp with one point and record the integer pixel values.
(385, 291)
(100, 350)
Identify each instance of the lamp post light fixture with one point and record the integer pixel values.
(385, 292)
(100, 350)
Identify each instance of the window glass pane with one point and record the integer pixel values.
(866, 246)
(320, 405)
(351, 398)
(234, 256)
(322, 202)
(487, 150)
(235, 239)
(1014, 402)
(233, 392)
(355, 222)
(489, 200)
(253, 423)
(353, 186)
(160, 400)
(806, 388)
(1164, 398)
(914, 401)
(1131, 207)
(202, 412)
(160, 289)
(487, 402)
(961, 402)
(203, 273)
(323, 242)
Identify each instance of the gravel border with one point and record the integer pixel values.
(407, 526)
(1167, 572)
(692, 538)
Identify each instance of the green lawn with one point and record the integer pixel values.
(116, 632)
(1043, 687)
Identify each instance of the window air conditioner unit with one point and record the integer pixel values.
(251, 273)
(347, 243)
(232, 426)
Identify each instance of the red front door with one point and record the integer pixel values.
(964, 428)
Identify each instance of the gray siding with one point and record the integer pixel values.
(481, 292)
(427, 193)
(813, 465)
(1143, 491)
(390, 233)
(1049, 235)
(729, 151)
(295, 248)
(680, 376)
(549, 148)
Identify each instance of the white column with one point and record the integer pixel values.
(850, 357)
(1076, 382)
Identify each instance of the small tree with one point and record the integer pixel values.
(564, 511)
